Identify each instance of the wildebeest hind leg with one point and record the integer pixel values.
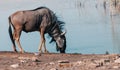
(14, 46)
(17, 38)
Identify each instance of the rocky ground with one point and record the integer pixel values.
(52, 61)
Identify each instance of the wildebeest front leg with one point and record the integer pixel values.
(40, 46)
(42, 43)
(17, 38)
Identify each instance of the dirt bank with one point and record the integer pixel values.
(33, 61)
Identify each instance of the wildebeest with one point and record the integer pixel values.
(41, 19)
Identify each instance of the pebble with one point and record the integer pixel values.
(51, 63)
(23, 61)
(107, 61)
(23, 58)
(65, 65)
(78, 63)
(35, 59)
(53, 69)
(115, 67)
(14, 65)
(117, 60)
(93, 65)
(37, 54)
(63, 61)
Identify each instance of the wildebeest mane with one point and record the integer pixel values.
(55, 22)
(60, 24)
(38, 8)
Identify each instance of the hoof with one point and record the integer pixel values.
(40, 51)
(15, 50)
(22, 51)
(46, 51)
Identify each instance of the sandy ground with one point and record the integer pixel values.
(55, 61)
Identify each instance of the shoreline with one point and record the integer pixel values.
(55, 61)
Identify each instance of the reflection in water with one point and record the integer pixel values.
(115, 17)
(82, 5)
(104, 5)
(108, 8)
(79, 6)
(115, 7)
(116, 41)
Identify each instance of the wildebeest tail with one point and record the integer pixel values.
(10, 31)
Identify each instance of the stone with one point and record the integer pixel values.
(34, 64)
(37, 54)
(14, 65)
(65, 65)
(93, 65)
(53, 69)
(51, 63)
(78, 63)
(63, 61)
(115, 67)
(117, 60)
(35, 59)
(23, 61)
(107, 61)
(23, 58)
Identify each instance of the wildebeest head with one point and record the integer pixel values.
(61, 42)
(58, 36)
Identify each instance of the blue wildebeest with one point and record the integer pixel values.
(40, 19)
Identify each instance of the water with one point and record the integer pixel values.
(91, 26)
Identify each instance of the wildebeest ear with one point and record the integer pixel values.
(63, 33)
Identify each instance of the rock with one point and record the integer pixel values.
(53, 69)
(23, 58)
(23, 61)
(117, 60)
(107, 61)
(63, 61)
(93, 65)
(78, 63)
(51, 63)
(35, 59)
(99, 63)
(37, 54)
(46, 64)
(115, 67)
(65, 65)
(28, 64)
(34, 64)
(14, 65)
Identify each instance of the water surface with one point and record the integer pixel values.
(92, 26)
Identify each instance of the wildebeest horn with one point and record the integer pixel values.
(63, 33)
